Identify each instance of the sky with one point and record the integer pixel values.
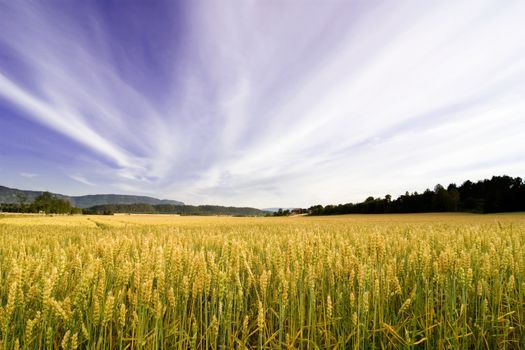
(260, 103)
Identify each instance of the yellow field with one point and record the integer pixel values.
(153, 281)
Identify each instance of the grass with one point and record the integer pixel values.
(421, 281)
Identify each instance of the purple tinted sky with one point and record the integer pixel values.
(260, 103)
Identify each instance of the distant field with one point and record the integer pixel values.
(425, 281)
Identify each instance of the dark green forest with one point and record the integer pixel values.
(44, 203)
(499, 194)
(109, 209)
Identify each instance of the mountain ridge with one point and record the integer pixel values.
(11, 196)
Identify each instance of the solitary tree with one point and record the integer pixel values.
(49, 203)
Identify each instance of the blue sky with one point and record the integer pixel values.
(260, 103)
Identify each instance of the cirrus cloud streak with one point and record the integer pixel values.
(268, 103)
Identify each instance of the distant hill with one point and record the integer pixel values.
(118, 203)
(10, 196)
(174, 209)
(102, 199)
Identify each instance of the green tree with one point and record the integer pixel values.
(50, 204)
(21, 199)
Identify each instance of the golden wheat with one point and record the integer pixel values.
(386, 281)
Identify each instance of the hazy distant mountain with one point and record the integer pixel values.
(101, 199)
(10, 195)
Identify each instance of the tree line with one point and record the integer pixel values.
(288, 212)
(498, 194)
(45, 203)
(108, 209)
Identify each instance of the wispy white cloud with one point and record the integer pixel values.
(82, 179)
(281, 104)
(393, 106)
(28, 175)
(62, 120)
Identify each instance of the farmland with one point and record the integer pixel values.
(159, 281)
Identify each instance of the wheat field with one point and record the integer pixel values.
(346, 282)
